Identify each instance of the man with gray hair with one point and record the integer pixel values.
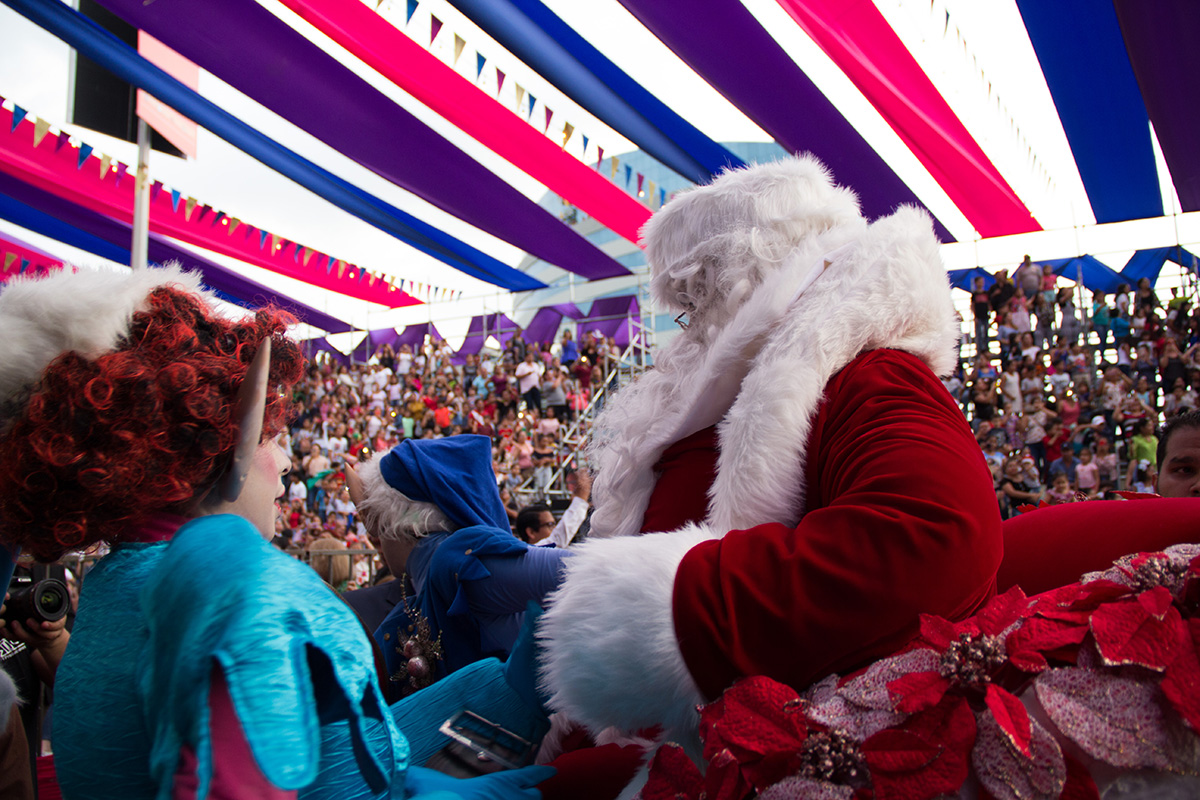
(435, 506)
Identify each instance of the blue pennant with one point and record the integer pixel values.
(85, 150)
(175, 195)
(662, 196)
(262, 239)
(18, 115)
(532, 101)
(296, 254)
(585, 141)
(628, 174)
(479, 62)
(412, 9)
(328, 264)
(362, 273)
(24, 265)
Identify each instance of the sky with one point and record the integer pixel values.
(976, 53)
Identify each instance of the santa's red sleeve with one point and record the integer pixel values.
(902, 520)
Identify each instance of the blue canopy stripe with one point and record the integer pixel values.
(1083, 57)
(541, 39)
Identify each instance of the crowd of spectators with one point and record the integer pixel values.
(1066, 407)
(525, 398)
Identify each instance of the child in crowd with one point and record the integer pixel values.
(1087, 474)
(1060, 491)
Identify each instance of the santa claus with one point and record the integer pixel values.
(805, 485)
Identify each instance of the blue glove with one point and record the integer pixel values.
(520, 670)
(513, 784)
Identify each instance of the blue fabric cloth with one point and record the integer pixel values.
(454, 473)
(154, 620)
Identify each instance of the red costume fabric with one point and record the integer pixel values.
(901, 520)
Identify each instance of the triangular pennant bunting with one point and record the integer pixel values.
(459, 44)
(532, 103)
(520, 95)
(628, 175)
(175, 198)
(275, 246)
(412, 9)
(308, 253)
(85, 150)
(585, 142)
(435, 25)
(9, 258)
(63, 138)
(479, 62)
(189, 207)
(40, 129)
(568, 129)
(105, 163)
(262, 239)
(549, 114)
(615, 164)
(122, 168)
(24, 265)
(155, 188)
(641, 180)
(233, 224)
(341, 268)
(650, 193)
(499, 81)
(600, 158)
(203, 211)
(18, 115)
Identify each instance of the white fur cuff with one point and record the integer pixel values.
(610, 656)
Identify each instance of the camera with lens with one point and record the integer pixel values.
(45, 600)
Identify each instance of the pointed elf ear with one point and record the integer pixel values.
(251, 406)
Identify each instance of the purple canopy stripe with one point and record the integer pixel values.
(71, 223)
(726, 45)
(373, 341)
(247, 46)
(481, 327)
(611, 316)
(312, 347)
(414, 335)
(1157, 37)
(544, 325)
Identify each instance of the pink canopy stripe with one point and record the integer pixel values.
(416, 71)
(859, 40)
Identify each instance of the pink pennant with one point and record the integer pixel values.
(599, 155)
(549, 114)
(500, 76)
(435, 25)
(641, 179)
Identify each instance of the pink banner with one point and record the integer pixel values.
(18, 258)
(402, 61)
(60, 171)
(859, 40)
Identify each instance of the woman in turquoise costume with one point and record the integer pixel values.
(203, 662)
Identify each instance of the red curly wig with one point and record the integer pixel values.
(105, 443)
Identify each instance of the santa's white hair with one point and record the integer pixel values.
(393, 514)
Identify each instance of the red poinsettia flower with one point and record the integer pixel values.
(972, 653)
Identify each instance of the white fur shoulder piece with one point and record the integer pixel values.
(609, 627)
(85, 311)
(8, 698)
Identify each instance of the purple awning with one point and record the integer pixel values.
(544, 325)
(612, 316)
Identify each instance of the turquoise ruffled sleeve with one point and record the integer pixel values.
(297, 663)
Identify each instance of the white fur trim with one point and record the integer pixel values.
(8, 698)
(609, 628)
(887, 288)
(86, 311)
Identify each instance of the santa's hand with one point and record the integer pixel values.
(517, 784)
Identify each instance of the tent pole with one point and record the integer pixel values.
(141, 201)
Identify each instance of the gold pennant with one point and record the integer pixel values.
(40, 130)
(568, 129)
(274, 243)
(371, 279)
(189, 207)
(650, 193)
(520, 95)
(308, 253)
(9, 258)
(341, 266)
(615, 162)
(459, 44)
(233, 224)
(105, 163)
